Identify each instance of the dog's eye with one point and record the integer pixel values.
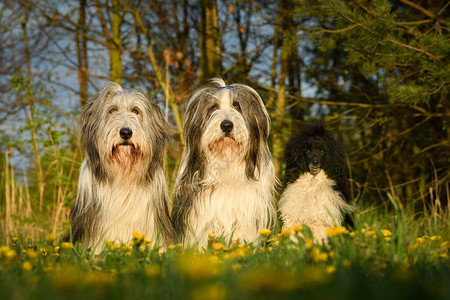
(237, 106)
(135, 111)
(113, 110)
(214, 108)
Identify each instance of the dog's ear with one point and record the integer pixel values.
(293, 158)
(258, 122)
(161, 137)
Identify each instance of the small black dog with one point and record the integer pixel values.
(316, 191)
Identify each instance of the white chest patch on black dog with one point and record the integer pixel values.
(312, 201)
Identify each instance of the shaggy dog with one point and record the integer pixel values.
(226, 180)
(121, 187)
(316, 189)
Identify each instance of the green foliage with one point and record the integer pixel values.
(385, 65)
(41, 197)
(379, 37)
(375, 260)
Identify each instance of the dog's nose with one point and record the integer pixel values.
(226, 126)
(126, 133)
(315, 161)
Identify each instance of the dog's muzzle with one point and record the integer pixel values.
(226, 126)
(126, 133)
(314, 165)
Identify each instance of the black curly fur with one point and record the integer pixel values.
(315, 147)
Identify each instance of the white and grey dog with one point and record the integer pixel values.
(226, 180)
(121, 187)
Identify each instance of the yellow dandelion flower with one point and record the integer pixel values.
(333, 231)
(211, 236)
(125, 247)
(273, 242)
(331, 269)
(179, 245)
(153, 270)
(352, 234)
(43, 251)
(138, 236)
(171, 247)
(265, 232)
(296, 228)
(387, 238)
(445, 245)
(147, 241)
(27, 266)
(31, 253)
(66, 245)
(370, 233)
(4, 249)
(285, 233)
(14, 239)
(386, 232)
(50, 238)
(110, 244)
(318, 256)
(218, 246)
(239, 252)
(435, 238)
(199, 268)
(270, 249)
(420, 241)
(10, 254)
(308, 244)
(444, 255)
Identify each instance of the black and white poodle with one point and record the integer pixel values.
(316, 191)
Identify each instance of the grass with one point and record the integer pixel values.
(387, 256)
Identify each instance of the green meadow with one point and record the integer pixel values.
(389, 255)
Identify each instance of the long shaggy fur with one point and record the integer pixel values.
(121, 187)
(316, 190)
(226, 179)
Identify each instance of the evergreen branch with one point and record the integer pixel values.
(415, 49)
(424, 11)
(323, 30)
(438, 89)
(396, 42)
(342, 103)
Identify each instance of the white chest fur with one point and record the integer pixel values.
(235, 210)
(311, 200)
(124, 210)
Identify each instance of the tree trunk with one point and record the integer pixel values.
(82, 53)
(210, 41)
(115, 52)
